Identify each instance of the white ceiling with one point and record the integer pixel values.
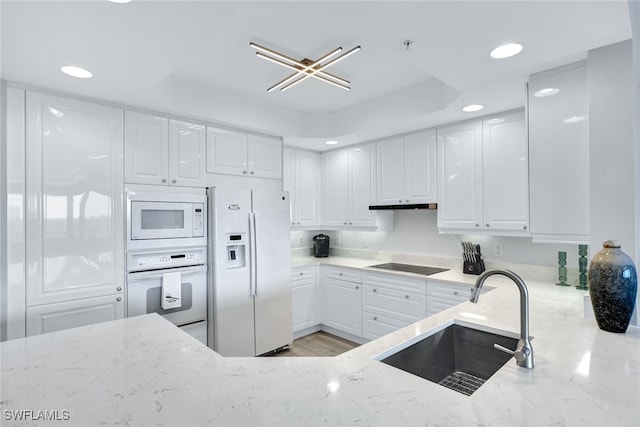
(193, 58)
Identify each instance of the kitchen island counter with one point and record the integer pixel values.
(145, 371)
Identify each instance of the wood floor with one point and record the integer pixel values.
(319, 344)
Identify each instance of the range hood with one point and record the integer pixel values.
(405, 206)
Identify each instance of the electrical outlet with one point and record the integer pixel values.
(497, 250)
(300, 241)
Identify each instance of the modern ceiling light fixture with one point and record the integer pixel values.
(305, 68)
(506, 50)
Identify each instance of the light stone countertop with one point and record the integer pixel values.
(145, 371)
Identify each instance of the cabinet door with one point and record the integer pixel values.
(375, 325)
(265, 157)
(362, 186)
(460, 176)
(74, 200)
(390, 172)
(336, 189)
(71, 314)
(505, 169)
(420, 171)
(226, 152)
(305, 303)
(186, 154)
(307, 189)
(146, 141)
(343, 306)
(559, 156)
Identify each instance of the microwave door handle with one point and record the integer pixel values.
(252, 255)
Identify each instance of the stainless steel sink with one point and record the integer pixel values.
(458, 357)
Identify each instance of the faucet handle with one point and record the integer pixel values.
(504, 349)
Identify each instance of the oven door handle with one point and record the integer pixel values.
(139, 275)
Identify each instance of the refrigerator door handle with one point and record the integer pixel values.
(253, 254)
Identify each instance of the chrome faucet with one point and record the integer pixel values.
(523, 352)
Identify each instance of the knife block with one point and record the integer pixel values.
(473, 267)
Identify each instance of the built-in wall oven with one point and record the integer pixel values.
(167, 258)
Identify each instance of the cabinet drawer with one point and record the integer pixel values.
(376, 325)
(301, 273)
(340, 273)
(395, 281)
(449, 291)
(403, 305)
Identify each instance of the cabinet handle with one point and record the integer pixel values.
(406, 296)
(407, 200)
(375, 290)
(174, 181)
(244, 172)
(487, 225)
(118, 299)
(455, 292)
(357, 287)
(350, 223)
(399, 201)
(524, 227)
(298, 223)
(252, 172)
(375, 317)
(301, 273)
(164, 180)
(339, 274)
(345, 223)
(118, 288)
(477, 225)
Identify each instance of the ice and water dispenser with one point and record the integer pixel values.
(236, 247)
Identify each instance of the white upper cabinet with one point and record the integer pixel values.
(301, 177)
(483, 182)
(264, 155)
(505, 171)
(163, 152)
(146, 148)
(349, 189)
(186, 154)
(336, 190)
(236, 153)
(406, 169)
(460, 183)
(74, 200)
(559, 155)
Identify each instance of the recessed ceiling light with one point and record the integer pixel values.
(472, 107)
(506, 50)
(331, 142)
(74, 71)
(548, 91)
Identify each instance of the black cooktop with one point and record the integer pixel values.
(409, 268)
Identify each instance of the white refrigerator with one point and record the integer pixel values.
(249, 272)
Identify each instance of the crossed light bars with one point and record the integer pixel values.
(305, 68)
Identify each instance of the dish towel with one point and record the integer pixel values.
(171, 290)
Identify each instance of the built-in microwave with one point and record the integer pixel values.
(159, 220)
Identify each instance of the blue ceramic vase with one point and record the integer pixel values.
(613, 285)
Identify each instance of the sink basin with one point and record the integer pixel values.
(457, 356)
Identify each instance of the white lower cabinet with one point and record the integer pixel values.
(304, 294)
(390, 302)
(70, 314)
(343, 300)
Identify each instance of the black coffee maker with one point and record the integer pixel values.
(321, 246)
